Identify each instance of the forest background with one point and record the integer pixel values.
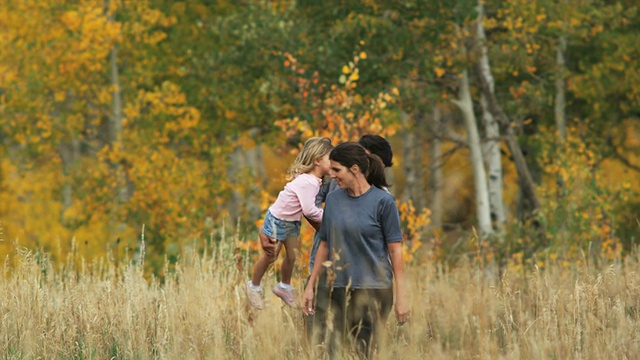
(131, 127)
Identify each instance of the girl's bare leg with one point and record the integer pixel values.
(292, 245)
(262, 265)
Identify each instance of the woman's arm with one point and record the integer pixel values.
(307, 299)
(397, 264)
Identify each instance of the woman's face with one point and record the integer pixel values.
(344, 177)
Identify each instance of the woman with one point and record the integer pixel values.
(361, 236)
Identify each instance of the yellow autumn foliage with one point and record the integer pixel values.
(74, 180)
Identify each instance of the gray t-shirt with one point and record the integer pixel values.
(357, 230)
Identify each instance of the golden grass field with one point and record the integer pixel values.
(100, 311)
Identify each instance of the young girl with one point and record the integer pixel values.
(282, 221)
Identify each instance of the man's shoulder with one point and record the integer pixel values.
(329, 186)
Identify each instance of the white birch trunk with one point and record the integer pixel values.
(525, 179)
(479, 175)
(491, 145)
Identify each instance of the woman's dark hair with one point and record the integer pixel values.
(351, 153)
(378, 145)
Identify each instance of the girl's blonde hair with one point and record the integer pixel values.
(314, 148)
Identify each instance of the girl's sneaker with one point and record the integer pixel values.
(285, 294)
(254, 296)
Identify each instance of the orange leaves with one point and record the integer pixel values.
(347, 116)
(415, 224)
(71, 20)
(292, 62)
(341, 113)
(517, 92)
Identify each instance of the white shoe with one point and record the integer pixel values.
(254, 296)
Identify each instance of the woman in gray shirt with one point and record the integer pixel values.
(361, 237)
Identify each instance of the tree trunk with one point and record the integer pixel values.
(246, 161)
(69, 154)
(435, 170)
(422, 124)
(491, 145)
(479, 175)
(560, 103)
(115, 125)
(3, 155)
(115, 129)
(255, 162)
(115, 119)
(524, 175)
(235, 175)
(559, 113)
(412, 161)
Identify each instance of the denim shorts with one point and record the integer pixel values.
(280, 229)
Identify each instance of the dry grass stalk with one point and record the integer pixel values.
(200, 312)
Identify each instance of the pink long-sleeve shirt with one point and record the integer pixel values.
(297, 199)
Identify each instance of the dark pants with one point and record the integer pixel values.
(348, 320)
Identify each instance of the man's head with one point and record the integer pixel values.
(378, 145)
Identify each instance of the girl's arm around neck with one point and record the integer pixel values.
(306, 191)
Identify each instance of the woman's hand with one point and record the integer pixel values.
(307, 297)
(397, 263)
(402, 310)
(307, 301)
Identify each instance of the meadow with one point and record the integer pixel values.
(180, 115)
(197, 310)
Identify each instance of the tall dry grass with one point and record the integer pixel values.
(199, 311)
